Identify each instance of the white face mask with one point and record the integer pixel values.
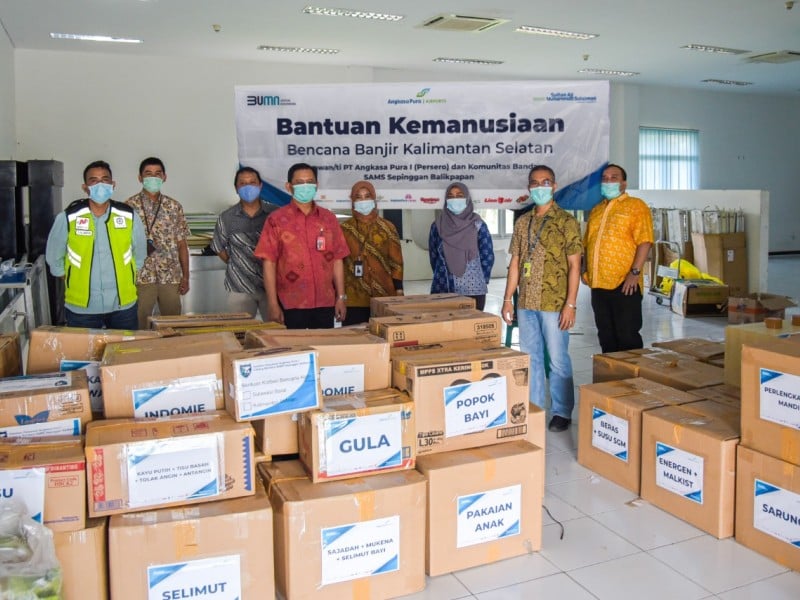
(456, 205)
(364, 207)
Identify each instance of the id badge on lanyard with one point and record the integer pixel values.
(527, 266)
(358, 268)
(321, 241)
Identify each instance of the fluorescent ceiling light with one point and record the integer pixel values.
(727, 82)
(468, 61)
(713, 49)
(93, 38)
(299, 50)
(608, 72)
(356, 14)
(573, 35)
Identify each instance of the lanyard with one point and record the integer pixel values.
(363, 241)
(532, 243)
(152, 223)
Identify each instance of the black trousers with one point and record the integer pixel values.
(618, 318)
(356, 315)
(309, 318)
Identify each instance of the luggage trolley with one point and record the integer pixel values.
(663, 271)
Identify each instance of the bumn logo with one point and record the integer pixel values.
(263, 100)
(245, 370)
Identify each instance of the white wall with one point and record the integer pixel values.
(8, 134)
(78, 107)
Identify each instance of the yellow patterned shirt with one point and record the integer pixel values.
(615, 228)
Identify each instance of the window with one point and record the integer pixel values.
(500, 222)
(669, 159)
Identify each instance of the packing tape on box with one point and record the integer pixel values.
(186, 539)
(361, 589)
(492, 554)
(489, 469)
(677, 431)
(790, 447)
(276, 480)
(365, 501)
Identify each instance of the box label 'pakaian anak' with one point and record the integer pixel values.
(360, 549)
(27, 486)
(173, 469)
(610, 434)
(477, 406)
(366, 443)
(189, 395)
(488, 516)
(218, 578)
(275, 384)
(779, 398)
(341, 379)
(776, 512)
(679, 472)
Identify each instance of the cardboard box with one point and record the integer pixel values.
(699, 348)
(426, 328)
(83, 555)
(689, 463)
(401, 354)
(270, 381)
(139, 464)
(381, 307)
(737, 336)
(53, 404)
(614, 366)
(610, 425)
(771, 399)
(197, 320)
(360, 538)
(49, 476)
(679, 373)
(696, 297)
(10, 357)
(768, 506)
(165, 376)
(754, 308)
(350, 360)
(217, 549)
(275, 436)
(722, 394)
(723, 255)
(54, 349)
(484, 505)
(469, 399)
(357, 435)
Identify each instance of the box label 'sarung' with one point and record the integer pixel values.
(776, 512)
(679, 472)
(779, 398)
(488, 516)
(360, 549)
(218, 578)
(610, 434)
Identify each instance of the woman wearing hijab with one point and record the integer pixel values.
(375, 265)
(460, 248)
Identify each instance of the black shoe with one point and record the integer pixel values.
(559, 423)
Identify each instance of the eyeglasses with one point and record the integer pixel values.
(543, 183)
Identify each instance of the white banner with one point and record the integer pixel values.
(413, 139)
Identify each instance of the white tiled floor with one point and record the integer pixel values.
(617, 546)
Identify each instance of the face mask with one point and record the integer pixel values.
(101, 192)
(249, 193)
(609, 191)
(152, 184)
(304, 192)
(541, 195)
(456, 205)
(364, 207)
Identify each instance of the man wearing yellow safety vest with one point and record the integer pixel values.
(96, 245)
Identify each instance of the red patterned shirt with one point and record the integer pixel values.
(304, 249)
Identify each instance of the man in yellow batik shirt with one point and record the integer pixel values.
(618, 238)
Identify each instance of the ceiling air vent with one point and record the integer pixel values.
(776, 58)
(461, 23)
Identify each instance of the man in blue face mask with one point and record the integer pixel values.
(96, 246)
(545, 268)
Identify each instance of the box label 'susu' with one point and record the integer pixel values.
(29, 383)
(173, 469)
(360, 549)
(218, 578)
(776, 512)
(271, 385)
(189, 395)
(92, 368)
(341, 379)
(610, 434)
(477, 406)
(679, 472)
(43, 429)
(366, 443)
(779, 398)
(488, 516)
(27, 486)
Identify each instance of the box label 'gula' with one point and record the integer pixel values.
(679, 472)
(779, 398)
(776, 512)
(367, 443)
(488, 516)
(218, 578)
(360, 549)
(477, 406)
(610, 434)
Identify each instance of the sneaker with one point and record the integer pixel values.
(559, 423)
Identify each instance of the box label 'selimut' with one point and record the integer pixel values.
(478, 406)
(488, 516)
(190, 395)
(360, 549)
(218, 578)
(366, 443)
(779, 398)
(173, 469)
(679, 472)
(44, 429)
(610, 434)
(776, 512)
(92, 368)
(27, 486)
(341, 379)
